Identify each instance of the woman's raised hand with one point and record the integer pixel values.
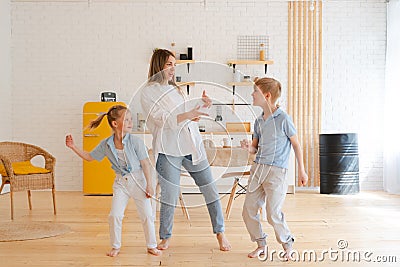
(194, 114)
(207, 101)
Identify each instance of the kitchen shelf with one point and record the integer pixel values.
(240, 83)
(226, 133)
(188, 84)
(234, 84)
(231, 104)
(186, 61)
(247, 62)
(251, 62)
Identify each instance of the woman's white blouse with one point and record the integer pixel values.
(161, 104)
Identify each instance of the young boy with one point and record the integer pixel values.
(274, 133)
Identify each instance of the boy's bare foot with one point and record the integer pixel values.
(288, 247)
(113, 252)
(163, 245)
(224, 244)
(154, 251)
(255, 253)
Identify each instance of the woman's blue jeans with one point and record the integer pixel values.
(169, 173)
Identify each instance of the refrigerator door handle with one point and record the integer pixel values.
(91, 135)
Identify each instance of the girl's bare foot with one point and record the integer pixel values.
(224, 244)
(257, 252)
(164, 244)
(113, 252)
(154, 251)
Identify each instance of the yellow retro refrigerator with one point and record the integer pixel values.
(98, 177)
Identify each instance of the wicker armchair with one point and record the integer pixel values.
(14, 152)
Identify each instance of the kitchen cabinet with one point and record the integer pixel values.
(98, 177)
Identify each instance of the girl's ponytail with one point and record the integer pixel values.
(112, 115)
(95, 123)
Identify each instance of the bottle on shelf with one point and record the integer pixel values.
(190, 53)
(262, 52)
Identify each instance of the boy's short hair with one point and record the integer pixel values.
(269, 85)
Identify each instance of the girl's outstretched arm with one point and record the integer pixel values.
(69, 142)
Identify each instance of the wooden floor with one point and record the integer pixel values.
(368, 222)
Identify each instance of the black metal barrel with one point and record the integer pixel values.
(339, 164)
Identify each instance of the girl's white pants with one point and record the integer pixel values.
(132, 185)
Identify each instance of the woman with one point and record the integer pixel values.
(177, 142)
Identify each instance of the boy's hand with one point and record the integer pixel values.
(303, 178)
(69, 141)
(245, 144)
(149, 191)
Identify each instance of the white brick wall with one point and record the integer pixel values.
(5, 72)
(65, 53)
(353, 79)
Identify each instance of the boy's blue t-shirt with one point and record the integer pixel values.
(134, 148)
(273, 138)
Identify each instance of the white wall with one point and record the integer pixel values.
(5, 71)
(354, 78)
(65, 53)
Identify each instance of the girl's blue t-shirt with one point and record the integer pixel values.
(134, 148)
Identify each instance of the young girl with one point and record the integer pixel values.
(129, 159)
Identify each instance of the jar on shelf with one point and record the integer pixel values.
(262, 52)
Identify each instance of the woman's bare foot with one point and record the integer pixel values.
(257, 252)
(113, 252)
(224, 244)
(163, 245)
(154, 251)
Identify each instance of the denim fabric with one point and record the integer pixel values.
(134, 148)
(169, 172)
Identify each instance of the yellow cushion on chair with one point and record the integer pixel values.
(3, 170)
(22, 168)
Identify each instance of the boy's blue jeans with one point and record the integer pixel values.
(169, 172)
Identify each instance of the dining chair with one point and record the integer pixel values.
(237, 162)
